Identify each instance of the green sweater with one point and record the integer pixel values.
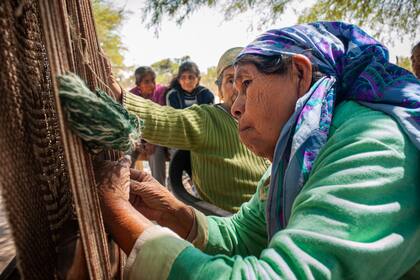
(357, 217)
(224, 171)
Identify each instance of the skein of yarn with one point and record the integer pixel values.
(98, 119)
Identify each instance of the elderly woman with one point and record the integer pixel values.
(340, 125)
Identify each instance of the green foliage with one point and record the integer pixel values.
(167, 68)
(108, 22)
(208, 79)
(179, 10)
(385, 17)
(404, 62)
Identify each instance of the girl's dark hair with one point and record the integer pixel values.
(173, 84)
(188, 66)
(279, 64)
(141, 72)
(184, 67)
(415, 48)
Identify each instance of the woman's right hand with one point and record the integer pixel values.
(155, 202)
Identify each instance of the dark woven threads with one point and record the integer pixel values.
(22, 198)
(60, 24)
(45, 132)
(33, 175)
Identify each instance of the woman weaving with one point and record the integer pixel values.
(340, 125)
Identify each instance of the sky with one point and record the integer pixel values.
(205, 36)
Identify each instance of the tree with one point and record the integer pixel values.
(108, 22)
(208, 79)
(167, 68)
(404, 62)
(385, 17)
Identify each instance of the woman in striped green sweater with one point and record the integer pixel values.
(224, 171)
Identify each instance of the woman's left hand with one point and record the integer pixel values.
(125, 223)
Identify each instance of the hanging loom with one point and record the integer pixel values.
(46, 175)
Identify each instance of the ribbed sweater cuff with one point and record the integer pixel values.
(202, 237)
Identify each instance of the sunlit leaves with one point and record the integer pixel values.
(385, 17)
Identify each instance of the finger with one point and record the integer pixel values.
(135, 199)
(138, 175)
(125, 162)
(137, 188)
(101, 168)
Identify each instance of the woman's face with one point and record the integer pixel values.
(263, 106)
(147, 85)
(188, 81)
(228, 92)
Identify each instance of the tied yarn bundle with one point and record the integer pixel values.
(98, 119)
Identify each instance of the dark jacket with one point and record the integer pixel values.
(180, 99)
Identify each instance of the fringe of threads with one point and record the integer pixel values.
(98, 119)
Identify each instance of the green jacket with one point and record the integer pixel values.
(357, 217)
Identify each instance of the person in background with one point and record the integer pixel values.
(185, 90)
(224, 171)
(224, 78)
(415, 60)
(147, 88)
(341, 126)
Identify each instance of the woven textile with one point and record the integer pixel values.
(45, 175)
(33, 175)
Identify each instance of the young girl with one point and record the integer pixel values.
(184, 90)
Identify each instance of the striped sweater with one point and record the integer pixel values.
(225, 172)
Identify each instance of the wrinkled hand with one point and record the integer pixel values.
(113, 179)
(155, 202)
(120, 217)
(149, 197)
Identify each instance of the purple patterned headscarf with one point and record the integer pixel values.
(356, 68)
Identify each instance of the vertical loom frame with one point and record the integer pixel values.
(65, 31)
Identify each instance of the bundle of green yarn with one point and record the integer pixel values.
(95, 117)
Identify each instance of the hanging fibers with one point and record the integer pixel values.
(98, 119)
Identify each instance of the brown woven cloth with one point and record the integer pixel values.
(32, 174)
(45, 175)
